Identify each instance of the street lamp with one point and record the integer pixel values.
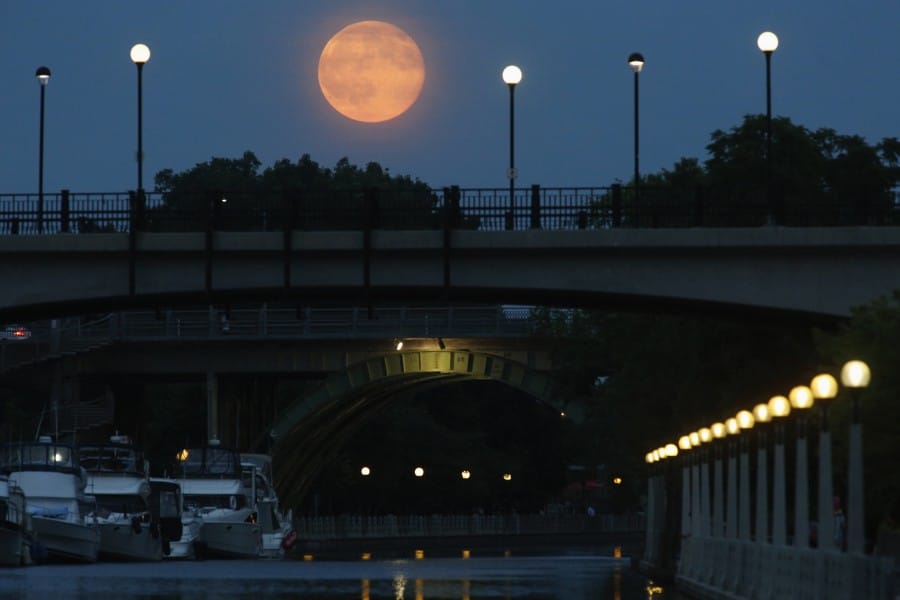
(140, 54)
(419, 472)
(767, 42)
(686, 443)
(746, 422)
(801, 399)
(824, 388)
(855, 375)
(762, 415)
(718, 517)
(512, 75)
(731, 489)
(43, 76)
(779, 407)
(636, 62)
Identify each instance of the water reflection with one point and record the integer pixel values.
(460, 577)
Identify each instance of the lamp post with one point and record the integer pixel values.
(718, 516)
(706, 438)
(801, 398)
(636, 62)
(767, 42)
(512, 75)
(746, 422)
(696, 505)
(824, 388)
(43, 77)
(762, 415)
(731, 492)
(684, 443)
(855, 375)
(140, 54)
(779, 407)
(650, 537)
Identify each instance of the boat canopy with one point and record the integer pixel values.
(38, 456)
(211, 462)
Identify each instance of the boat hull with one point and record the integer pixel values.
(67, 541)
(230, 539)
(12, 544)
(184, 548)
(118, 541)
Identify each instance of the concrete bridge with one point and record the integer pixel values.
(803, 271)
(351, 353)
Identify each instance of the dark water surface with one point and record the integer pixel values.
(459, 578)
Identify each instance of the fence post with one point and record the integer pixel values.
(535, 206)
(451, 207)
(616, 190)
(64, 211)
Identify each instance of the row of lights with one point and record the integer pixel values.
(366, 471)
(855, 374)
(767, 42)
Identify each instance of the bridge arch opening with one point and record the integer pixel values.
(312, 430)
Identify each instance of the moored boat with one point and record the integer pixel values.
(118, 478)
(15, 525)
(53, 482)
(211, 481)
(179, 526)
(277, 531)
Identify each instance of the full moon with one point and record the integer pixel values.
(371, 71)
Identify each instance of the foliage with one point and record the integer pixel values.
(237, 194)
(871, 335)
(652, 378)
(818, 178)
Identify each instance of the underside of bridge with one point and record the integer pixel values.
(314, 428)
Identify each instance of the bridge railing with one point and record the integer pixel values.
(486, 209)
(54, 338)
(407, 526)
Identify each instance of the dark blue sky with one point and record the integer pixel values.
(229, 75)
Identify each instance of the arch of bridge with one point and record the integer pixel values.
(315, 427)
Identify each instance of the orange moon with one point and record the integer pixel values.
(371, 71)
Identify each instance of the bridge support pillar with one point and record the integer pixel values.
(212, 406)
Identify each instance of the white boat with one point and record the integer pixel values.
(118, 478)
(278, 533)
(53, 482)
(179, 526)
(15, 525)
(211, 483)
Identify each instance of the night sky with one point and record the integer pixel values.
(228, 76)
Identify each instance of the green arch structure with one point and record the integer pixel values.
(313, 428)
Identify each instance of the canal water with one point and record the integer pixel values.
(463, 577)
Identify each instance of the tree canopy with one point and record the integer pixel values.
(819, 177)
(238, 192)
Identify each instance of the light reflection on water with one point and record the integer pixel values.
(529, 577)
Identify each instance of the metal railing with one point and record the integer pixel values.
(59, 337)
(486, 209)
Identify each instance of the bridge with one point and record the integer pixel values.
(499, 343)
(562, 246)
(805, 271)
